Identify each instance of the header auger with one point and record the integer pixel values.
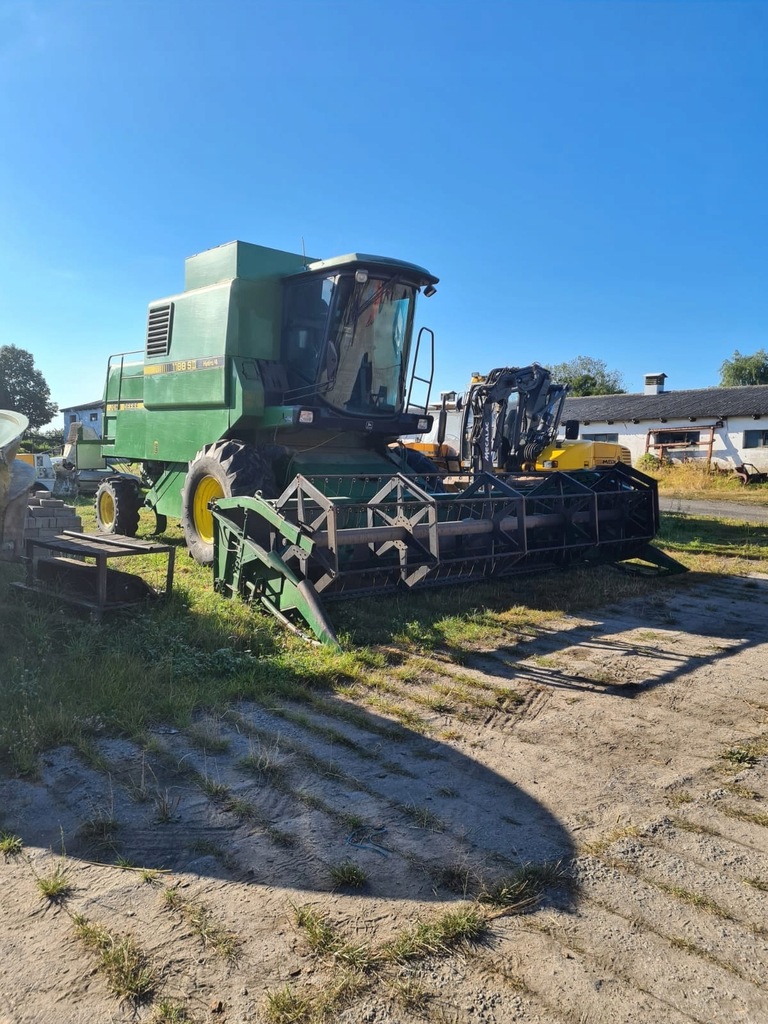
(263, 411)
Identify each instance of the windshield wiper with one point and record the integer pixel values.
(357, 310)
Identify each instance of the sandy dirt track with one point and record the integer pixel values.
(617, 744)
(737, 510)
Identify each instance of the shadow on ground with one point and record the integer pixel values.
(282, 797)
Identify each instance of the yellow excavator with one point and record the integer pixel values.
(507, 422)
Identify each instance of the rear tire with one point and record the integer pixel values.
(224, 469)
(117, 505)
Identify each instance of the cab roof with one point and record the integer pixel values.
(361, 259)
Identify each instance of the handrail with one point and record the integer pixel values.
(414, 376)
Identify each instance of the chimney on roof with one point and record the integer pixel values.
(654, 383)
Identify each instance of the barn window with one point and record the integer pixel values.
(677, 437)
(756, 438)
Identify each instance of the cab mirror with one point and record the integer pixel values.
(571, 430)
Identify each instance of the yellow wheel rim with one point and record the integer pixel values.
(106, 509)
(207, 490)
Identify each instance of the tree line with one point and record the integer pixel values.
(588, 376)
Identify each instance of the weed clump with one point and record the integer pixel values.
(287, 1007)
(524, 888)
(10, 845)
(127, 968)
(325, 940)
(422, 817)
(168, 1012)
(347, 875)
(435, 938)
(55, 887)
(740, 757)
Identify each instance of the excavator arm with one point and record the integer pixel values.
(511, 417)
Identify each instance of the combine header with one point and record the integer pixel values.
(264, 410)
(313, 542)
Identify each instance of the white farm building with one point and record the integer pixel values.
(722, 427)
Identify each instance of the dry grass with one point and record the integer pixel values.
(740, 791)
(100, 829)
(265, 761)
(325, 940)
(126, 967)
(741, 814)
(200, 918)
(422, 817)
(207, 735)
(437, 937)
(691, 947)
(347, 875)
(287, 1006)
(740, 757)
(679, 797)
(169, 1012)
(523, 889)
(694, 826)
(695, 899)
(599, 846)
(690, 480)
(410, 994)
(56, 887)
(10, 845)
(214, 789)
(166, 807)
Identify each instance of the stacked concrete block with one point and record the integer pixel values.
(46, 517)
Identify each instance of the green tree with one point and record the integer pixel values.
(741, 370)
(23, 388)
(43, 440)
(588, 376)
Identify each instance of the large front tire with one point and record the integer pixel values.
(224, 469)
(427, 473)
(117, 506)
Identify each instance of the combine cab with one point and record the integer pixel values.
(263, 410)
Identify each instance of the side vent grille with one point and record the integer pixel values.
(159, 326)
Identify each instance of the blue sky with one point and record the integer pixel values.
(586, 178)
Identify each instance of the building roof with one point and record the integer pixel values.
(98, 404)
(703, 403)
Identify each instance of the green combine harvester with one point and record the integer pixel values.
(266, 409)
